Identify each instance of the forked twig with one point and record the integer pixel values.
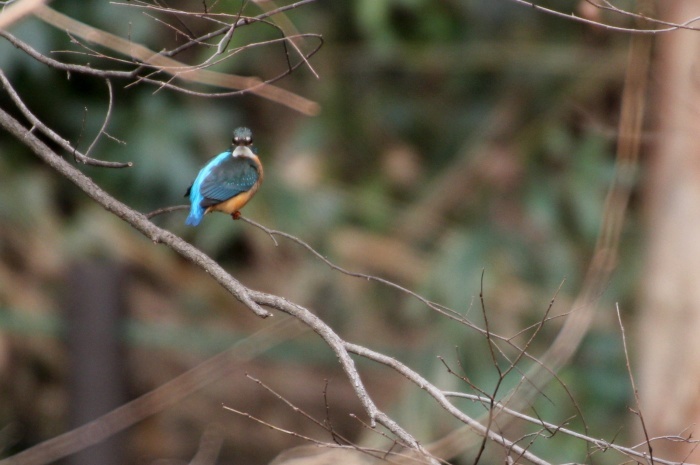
(142, 54)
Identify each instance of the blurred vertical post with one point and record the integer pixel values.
(669, 324)
(93, 310)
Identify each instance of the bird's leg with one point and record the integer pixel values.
(236, 215)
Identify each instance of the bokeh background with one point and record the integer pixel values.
(455, 139)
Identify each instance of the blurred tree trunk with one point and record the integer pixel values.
(94, 309)
(669, 331)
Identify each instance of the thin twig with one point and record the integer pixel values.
(435, 306)
(294, 101)
(635, 391)
(599, 443)
(107, 116)
(51, 134)
(606, 5)
(496, 365)
(322, 424)
(160, 211)
(68, 67)
(573, 17)
(288, 30)
(143, 54)
(273, 427)
(440, 397)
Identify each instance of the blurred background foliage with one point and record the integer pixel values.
(455, 138)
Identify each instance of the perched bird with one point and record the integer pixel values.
(228, 181)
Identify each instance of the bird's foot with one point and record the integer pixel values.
(236, 215)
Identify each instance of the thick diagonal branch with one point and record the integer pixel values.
(252, 299)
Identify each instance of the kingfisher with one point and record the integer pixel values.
(228, 181)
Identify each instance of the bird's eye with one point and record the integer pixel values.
(242, 136)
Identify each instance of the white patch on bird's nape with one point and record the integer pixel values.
(242, 151)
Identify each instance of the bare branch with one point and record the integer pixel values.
(160, 211)
(324, 425)
(441, 309)
(573, 17)
(339, 347)
(55, 137)
(634, 385)
(144, 55)
(288, 30)
(107, 116)
(271, 426)
(444, 402)
(137, 220)
(241, 21)
(608, 6)
(68, 67)
(598, 443)
(254, 300)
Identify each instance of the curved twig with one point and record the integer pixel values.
(163, 210)
(607, 6)
(68, 67)
(108, 114)
(627, 30)
(52, 135)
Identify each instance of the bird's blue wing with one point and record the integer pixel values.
(228, 178)
(197, 210)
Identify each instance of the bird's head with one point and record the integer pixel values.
(243, 143)
(242, 136)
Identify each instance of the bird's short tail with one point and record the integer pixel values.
(194, 217)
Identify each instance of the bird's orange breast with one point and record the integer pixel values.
(235, 203)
